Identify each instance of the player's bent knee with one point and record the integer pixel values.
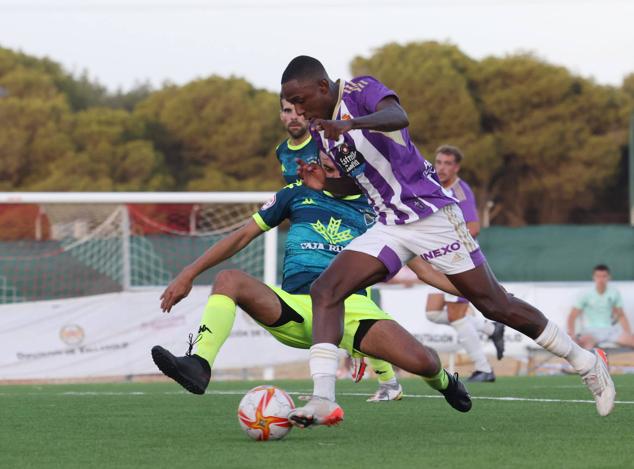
(438, 316)
(324, 292)
(229, 278)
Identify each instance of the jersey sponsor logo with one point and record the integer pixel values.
(350, 160)
(442, 251)
(271, 202)
(311, 246)
(331, 233)
(308, 201)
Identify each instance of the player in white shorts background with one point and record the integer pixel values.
(362, 127)
(451, 310)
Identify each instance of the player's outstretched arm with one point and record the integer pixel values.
(431, 276)
(180, 287)
(389, 116)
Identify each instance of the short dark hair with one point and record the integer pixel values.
(304, 67)
(602, 268)
(451, 150)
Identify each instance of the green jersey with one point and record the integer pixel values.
(597, 307)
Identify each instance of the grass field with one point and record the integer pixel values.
(551, 424)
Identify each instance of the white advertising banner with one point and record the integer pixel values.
(555, 300)
(111, 335)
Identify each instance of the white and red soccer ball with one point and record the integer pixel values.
(263, 413)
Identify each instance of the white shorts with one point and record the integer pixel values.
(442, 239)
(604, 334)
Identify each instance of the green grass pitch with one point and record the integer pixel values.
(552, 424)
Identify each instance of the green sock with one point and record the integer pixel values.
(438, 382)
(215, 326)
(384, 370)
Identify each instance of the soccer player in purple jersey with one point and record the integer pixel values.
(451, 310)
(361, 125)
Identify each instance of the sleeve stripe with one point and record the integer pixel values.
(260, 222)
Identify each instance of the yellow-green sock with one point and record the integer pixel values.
(215, 326)
(383, 369)
(438, 382)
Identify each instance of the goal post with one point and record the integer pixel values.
(67, 244)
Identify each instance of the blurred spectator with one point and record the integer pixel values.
(600, 314)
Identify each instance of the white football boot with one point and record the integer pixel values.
(387, 392)
(600, 384)
(317, 411)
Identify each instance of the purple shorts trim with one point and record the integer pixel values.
(477, 257)
(391, 261)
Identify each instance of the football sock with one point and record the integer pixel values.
(215, 326)
(469, 339)
(439, 316)
(482, 325)
(560, 344)
(438, 382)
(383, 370)
(323, 368)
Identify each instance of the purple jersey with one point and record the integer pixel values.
(461, 191)
(400, 184)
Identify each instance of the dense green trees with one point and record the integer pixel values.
(542, 143)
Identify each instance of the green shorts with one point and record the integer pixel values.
(300, 334)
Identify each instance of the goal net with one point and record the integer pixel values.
(65, 245)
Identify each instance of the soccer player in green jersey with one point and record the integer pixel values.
(321, 226)
(300, 146)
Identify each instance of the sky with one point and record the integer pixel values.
(123, 42)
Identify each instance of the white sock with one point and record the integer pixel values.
(469, 339)
(438, 316)
(560, 344)
(482, 325)
(323, 368)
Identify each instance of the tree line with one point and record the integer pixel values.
(542, 144)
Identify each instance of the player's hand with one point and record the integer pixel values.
(178, 289)
(332, 129)
(312, 174)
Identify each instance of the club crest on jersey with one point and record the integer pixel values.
(350, 160)
(269, 204)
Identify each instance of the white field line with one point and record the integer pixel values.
(297, 393)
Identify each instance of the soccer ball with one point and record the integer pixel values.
(263, 413)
